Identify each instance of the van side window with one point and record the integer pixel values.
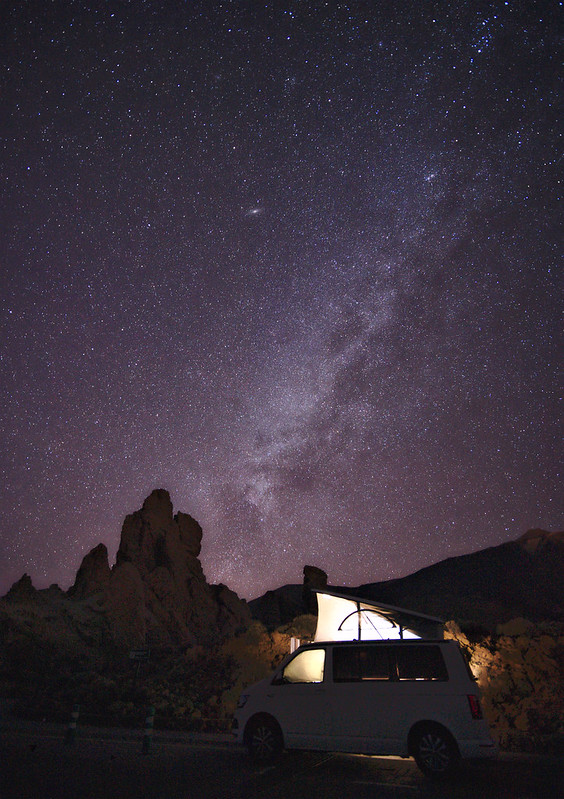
(359, 663)
(307, 666)
(421, 663)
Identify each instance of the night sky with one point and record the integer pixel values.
(295, 262)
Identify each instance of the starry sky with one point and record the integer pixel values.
(295, 262)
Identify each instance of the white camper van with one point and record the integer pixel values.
(394, 697)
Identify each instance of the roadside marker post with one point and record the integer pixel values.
(139, 656)
(71, 729)
(148, 735)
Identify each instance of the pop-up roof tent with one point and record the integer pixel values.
(348, 618)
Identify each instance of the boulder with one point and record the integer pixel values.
(315, 577)
(515, 627)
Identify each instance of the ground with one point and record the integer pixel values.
(112, 764)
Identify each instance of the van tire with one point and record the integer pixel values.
(434, 750)
(263, 739)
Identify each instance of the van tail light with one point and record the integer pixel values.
(475, 707)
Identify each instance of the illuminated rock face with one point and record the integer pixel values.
(520, 671)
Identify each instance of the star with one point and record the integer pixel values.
(275, 262)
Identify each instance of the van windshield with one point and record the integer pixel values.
(307, 666)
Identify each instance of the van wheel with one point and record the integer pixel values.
(435, 751)
(264, 740)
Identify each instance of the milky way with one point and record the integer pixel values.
(294, 262)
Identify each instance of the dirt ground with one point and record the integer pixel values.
(36, 763)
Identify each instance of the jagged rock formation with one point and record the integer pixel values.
(156, 594)
(157, 562)
(314, 577)
(93, 574)
(22, 591)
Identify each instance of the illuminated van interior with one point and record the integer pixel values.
(307, 666)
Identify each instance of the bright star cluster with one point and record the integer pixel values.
(296, 263)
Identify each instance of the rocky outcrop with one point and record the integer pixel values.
(520, 671)
(156, 595)
(314, 577)
(152, 537)
(123, 604)
(540, 540)
(22, 591)
(93, 574)
(157, 569)
(522, 578)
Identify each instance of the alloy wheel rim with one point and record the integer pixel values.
(434, 752)
(263, 741)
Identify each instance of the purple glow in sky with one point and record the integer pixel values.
(295, 263)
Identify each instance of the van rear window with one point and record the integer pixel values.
(420, 663)
(359, 663)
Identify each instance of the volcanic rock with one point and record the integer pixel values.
(22, 591)
(314, 577)
(93, 574)
(180, 606)
(124, 606)
(522, 578)
(520, 671)
(540, 539)
(155, 595)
